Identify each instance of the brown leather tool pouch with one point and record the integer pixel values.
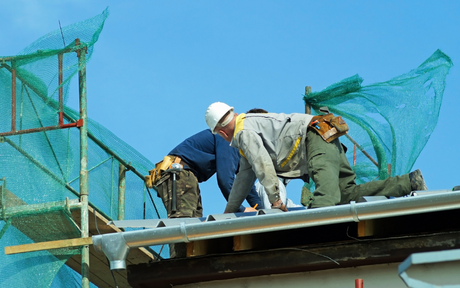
(328, 126)
(163, 165)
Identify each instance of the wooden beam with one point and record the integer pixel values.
(245, 242)
(366, 228)
(197, 248)
(75, 242)
(210, 246)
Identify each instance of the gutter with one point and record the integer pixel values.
(116, 246)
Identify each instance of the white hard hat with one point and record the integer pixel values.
(214, 113)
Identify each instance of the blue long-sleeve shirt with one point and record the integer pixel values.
(207, 154)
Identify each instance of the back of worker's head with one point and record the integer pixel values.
(218, 114)
(257, 110)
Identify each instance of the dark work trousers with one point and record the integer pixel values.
(335, 180)
(188, 202)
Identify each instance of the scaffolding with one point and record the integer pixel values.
(48, 152)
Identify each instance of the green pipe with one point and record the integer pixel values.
(111, 188)
(121, 191)
(3, 195)
(7, 224)
(35, 209)
(85, 265)
(45, 53)
(21, 112)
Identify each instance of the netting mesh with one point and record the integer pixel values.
(391, 121)
(16, 270)
(43, 168)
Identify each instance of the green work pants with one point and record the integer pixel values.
(335, 180)
(188, 202)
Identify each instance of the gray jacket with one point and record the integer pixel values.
(271, 145)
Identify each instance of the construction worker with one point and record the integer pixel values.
(200, 156)
(282, 182)
(283, 145)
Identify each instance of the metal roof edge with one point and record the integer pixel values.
(115, 245)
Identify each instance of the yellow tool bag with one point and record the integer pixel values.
(160, 167)
(328, 126)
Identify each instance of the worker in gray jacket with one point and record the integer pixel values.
(281, 145)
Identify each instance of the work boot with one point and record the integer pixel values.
(416, 181)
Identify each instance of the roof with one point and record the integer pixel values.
(370, 232)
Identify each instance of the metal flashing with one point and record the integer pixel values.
(276, 222)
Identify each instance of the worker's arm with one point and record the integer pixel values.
(258, 158)
(253, 198)
(227, 161)
(255, 163)
(242, 185)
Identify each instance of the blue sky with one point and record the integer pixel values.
(159, 64)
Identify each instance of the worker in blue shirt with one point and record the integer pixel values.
(200, 156)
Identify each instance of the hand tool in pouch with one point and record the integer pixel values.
(175, 167)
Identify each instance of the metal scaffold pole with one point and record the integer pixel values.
(83, 163)
(121, 191)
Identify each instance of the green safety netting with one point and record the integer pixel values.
(43, 168)
(392, 120)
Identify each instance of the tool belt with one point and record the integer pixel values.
(328, 126)
(160, 167)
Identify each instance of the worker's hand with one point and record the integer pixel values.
(250, 209)
(279, 205)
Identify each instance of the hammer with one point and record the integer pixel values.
(175, 167)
